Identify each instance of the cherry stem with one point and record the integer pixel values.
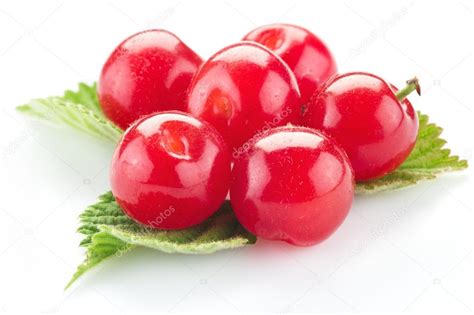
(412, 85)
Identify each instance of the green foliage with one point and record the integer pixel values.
(108, 231)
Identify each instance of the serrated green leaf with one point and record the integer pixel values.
(79, 109)
(85, 95)
(108, 231)
(426, 161)
(222, 231)
(102, 246)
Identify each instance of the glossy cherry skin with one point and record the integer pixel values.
(308, 57)
(243, 89)
(362, 113)
(148, 72)
(293, 184)
(170, 171)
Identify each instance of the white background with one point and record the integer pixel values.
(403, 250)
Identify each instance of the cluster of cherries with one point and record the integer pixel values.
(267, 118)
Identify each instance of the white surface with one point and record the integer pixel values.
(405, 250)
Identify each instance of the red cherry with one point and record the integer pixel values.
(293, 184)
(305, 54)
(243, 89)
(148, 72)
(170, 171)
(363, 114)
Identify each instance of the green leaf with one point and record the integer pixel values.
(79, 109)
(109, 232)
(85, 95)
(428, 159)
(102, 246)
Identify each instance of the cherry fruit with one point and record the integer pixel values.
(293, 184)
(148, 72)
(170, 171)
(375, 125)
(244, 89)
(305, 54)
